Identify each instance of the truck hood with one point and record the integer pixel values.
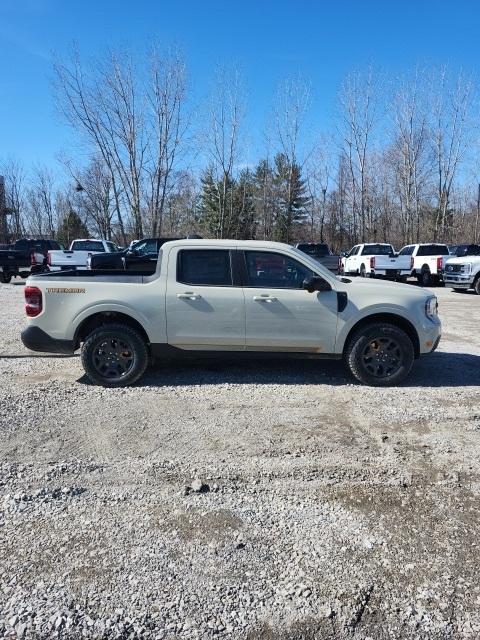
(463, 260)
(389, 288)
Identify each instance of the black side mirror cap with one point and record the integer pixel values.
(315, 283)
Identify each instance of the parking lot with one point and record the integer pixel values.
(320, 508)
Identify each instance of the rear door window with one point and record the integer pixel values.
(207, 267)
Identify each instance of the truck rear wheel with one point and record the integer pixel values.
(114, 355)
(5, 277)
(425, 277)
(380, 355)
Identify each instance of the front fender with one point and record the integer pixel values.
(353, 316)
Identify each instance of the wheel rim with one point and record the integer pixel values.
(113, 357)
(382, 357)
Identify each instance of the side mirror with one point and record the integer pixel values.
(315, 283)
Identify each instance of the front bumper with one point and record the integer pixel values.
(458, 282)
(36, 339)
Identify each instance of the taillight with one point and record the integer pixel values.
(439, 263)
(372, 263)
(33, 259)
(412, 262)
(49, 259)
(33, 301)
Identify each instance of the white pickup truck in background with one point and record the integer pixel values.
(427, 261)
(76, 257)
(358, 260)
(463, 273)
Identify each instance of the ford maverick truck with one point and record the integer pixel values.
(228, 298)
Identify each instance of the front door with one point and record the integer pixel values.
(205, 311)
(280, 314)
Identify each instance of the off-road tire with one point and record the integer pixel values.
(115, 337)
(5, 277)
(378, 333)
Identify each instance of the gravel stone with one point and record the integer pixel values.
(319, 508)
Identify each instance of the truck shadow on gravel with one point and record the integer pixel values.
(441, 369)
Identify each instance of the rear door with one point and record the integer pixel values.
(205, 308)
(280, 314)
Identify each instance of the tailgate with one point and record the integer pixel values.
(68, 258)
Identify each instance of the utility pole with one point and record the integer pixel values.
(3, 213)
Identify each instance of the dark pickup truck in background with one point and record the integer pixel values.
(320, 252)
(141, 256)
(24, 257)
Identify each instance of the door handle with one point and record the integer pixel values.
(264, 298)
(189, 295)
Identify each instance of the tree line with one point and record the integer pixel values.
(400, 163)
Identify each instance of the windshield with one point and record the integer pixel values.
(315, 250)
(377, 250)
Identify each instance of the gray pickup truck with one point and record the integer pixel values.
(321, 253)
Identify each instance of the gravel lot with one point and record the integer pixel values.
(270, 500)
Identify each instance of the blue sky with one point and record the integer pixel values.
(268, 39)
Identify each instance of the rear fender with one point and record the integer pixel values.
(111, 307)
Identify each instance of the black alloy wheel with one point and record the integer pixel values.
(380, 354)
(114, 355)
(382, 357)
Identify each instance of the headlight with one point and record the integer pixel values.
(467, 267)
(431, 307)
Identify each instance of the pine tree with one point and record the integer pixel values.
(244, 216)
(71, 227)
(290, 198)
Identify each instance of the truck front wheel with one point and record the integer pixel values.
(114, 355)
(380, 355)
(476, 286)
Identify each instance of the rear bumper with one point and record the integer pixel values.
(36, 339)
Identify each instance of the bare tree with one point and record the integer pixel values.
(41, 214)
(95, 196)
(15, 178)
(225, 114)
(131, 115)
(409, 153)
(359, 113)
(451, 101)
(168, 124)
